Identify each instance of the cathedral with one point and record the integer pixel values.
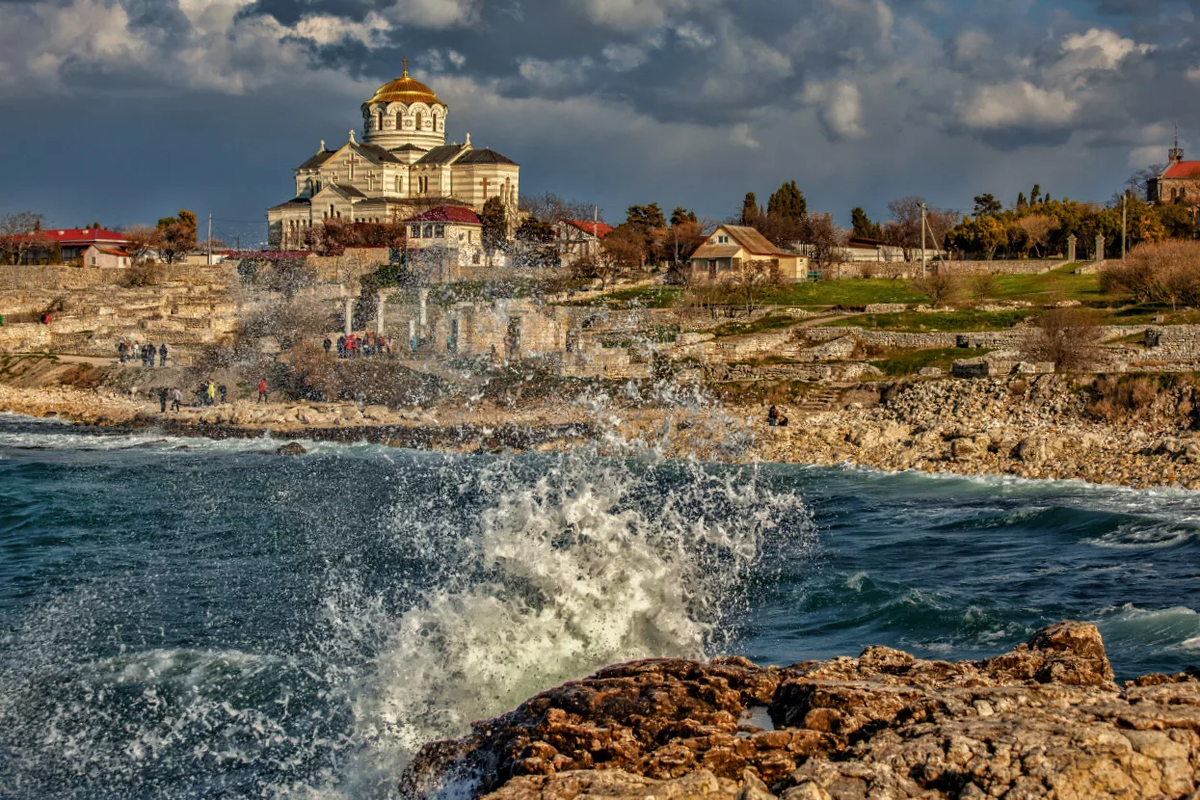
(400, 168)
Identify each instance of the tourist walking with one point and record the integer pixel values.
(212, 393)
(341, 345)
(150, 353)
(162, 400)
(162, 355)
(222, 390)
(122, 351)
(262, 390)
(176, 399)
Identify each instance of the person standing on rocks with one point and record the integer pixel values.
(176, 399)
(162, 400)
(212, 392)
(162, 355)
(150, 353)
(327, 344)
(262, 390)
(224, 394)
(122, 351)
(772, 417)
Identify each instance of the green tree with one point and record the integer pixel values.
(177, 236)
(986, 205)
(750, 210)
(681, 216)
(1035, 194)
(650, 225)
(788, 203)
(862, 226)
(1022, 203)
(494, 219)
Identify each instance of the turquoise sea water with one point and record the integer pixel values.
(190, 618)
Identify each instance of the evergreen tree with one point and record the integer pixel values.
(788, 203)
(986, 205)
(681, 216)
(494, 219)
(1021, 202)
(750, 209)
(862, 226)
(1035, 194)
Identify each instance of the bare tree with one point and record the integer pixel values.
(751, 279)
(551, 208)
(824, 241)
(940, 286)
(142, 240)
(20, 234)
(1065, 336)
(984, 286)
(1037, 229)
(904, 228)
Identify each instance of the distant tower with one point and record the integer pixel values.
(1175, 154)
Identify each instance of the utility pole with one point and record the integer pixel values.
(923, 258)
(1124, 221)
(210, 240)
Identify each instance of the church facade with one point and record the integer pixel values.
(402, 167)
(1178, 183)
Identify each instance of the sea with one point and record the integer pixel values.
(192, 618)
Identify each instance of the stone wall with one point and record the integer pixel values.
(912, 269)
(32, 278)
(1174, 341)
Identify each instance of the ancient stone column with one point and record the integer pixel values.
(412, 335)
(349, 326)
(1071, 248)
(1099, 247)
(379, 301)
(424, 294)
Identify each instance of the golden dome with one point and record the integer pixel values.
(405, 90)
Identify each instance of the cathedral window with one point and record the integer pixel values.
(420, 120)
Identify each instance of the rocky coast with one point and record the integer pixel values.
(1045, 427)
(1043, 720)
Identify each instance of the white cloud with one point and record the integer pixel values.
(839, 108)
(325, 29)
(624, 57)
(634, 15)
(553, 74)
(741, 136)
(1017, 103)
(431, 13)
(694, 36)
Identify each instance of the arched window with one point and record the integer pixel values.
(435, 121)
(420, 118)
(379, 121)
(398, 118)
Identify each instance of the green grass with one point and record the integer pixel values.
(916, 322)
(911, 362)
(656, 296)
(770, 322)
(1051, 286)
(852, 292)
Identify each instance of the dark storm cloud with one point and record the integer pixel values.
(685, 101)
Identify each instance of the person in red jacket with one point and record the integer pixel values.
(262, 390)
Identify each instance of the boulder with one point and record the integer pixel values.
(1044, 719)
(964, 449)
(291, 449)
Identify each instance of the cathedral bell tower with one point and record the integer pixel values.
(1175, 154)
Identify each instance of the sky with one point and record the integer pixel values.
(124, 111)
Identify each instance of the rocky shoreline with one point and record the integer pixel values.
(1037, 429)
(1043, 720)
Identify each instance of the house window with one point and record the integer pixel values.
(722, 239)
(416, 231)
(427, 231)
(439, 231)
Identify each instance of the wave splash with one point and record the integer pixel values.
(586, 564)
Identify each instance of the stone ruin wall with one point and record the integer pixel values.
(910, 269)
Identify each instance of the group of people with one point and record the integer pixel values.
(776, 418)
(208, 393)
(355, 346)
(147, 352)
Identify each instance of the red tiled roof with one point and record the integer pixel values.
(597, 229)
(81, 236)
(457, 214)
(1184, 169)
(108, 251)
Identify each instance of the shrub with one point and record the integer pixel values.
(939, 286)
(984, 286)
(1065, 336)
(1166, 272)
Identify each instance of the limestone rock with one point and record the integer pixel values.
(291, 449)
(1044, 719)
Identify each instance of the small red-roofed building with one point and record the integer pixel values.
(446, 238)
(1178, 183)
(580, 238)
(106, 257)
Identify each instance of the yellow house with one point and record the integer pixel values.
(731, 246)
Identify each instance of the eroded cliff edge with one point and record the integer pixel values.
(1044, 720)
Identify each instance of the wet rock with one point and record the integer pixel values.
(291, 449)
(964, 449)
(1045, 719)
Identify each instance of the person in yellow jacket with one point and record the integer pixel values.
(212, 393)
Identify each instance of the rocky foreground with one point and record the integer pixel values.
(1044, 720)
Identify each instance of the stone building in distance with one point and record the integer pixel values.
(402, 167)
(1178, 183)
